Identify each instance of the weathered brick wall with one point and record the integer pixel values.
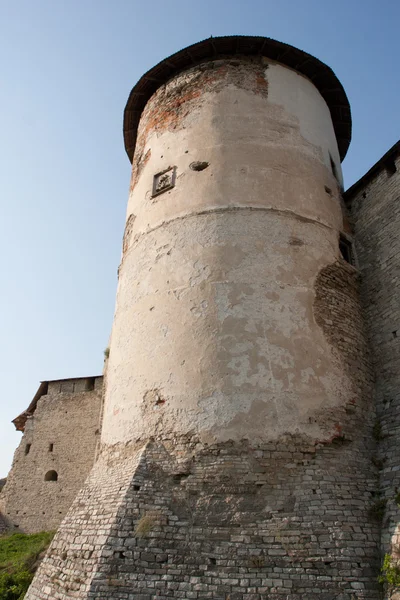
(181, 519)
(68, 418)
(375, 209)
(177, 518)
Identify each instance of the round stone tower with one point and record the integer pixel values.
(234, 209)
(236, 438)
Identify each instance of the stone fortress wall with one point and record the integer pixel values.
(238, 456)
(61, 429)
(374, 203)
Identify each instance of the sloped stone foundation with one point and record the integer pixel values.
(89, 529)
(285, 520)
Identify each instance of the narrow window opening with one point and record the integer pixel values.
(394, 334)
(334, 169)
(51, 447)
(89, 386)
(51, 476)
(390, 167)
(178, 477)
(136, 488)
(28, 448)
(346, 249)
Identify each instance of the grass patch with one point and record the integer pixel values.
(145, 524)
(19, 553)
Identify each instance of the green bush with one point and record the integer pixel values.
(19, 554)
(390, 573)
(14, 586)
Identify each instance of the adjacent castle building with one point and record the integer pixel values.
(249, 414)
(61, 428)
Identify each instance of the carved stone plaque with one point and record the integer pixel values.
(163, 181)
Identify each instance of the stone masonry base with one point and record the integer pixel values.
(178, 519)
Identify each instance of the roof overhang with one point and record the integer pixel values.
(215, 48)
(21, 420)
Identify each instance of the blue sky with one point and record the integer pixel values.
(66, 70)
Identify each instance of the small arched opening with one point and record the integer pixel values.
(51, 476)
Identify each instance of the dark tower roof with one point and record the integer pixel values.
(214, 48)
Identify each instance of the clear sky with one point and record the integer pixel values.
(66, 69)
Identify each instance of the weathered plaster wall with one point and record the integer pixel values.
(68, 418)
(214, 330)
(235, 117)
(375, 209)
(300, 98)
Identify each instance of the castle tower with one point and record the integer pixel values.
(236, 439)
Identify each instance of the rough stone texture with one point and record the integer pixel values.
(338, 311)
(3, 525)
(180, 520)
(375, 209)
(67, 417)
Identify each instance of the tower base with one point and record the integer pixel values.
(177, 519)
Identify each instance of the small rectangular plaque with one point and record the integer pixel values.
(164, 181)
